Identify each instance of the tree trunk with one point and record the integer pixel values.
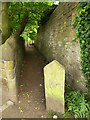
(5, 21)
(23, 24)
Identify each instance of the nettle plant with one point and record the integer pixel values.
(82, 25)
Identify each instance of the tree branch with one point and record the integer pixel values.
(23, 24)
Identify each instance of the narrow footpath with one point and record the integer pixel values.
(31, 102)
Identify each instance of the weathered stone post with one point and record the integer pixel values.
(54, 80)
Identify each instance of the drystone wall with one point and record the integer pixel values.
(10, 67)
(54, 42)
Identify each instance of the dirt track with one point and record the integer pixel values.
(31, 89)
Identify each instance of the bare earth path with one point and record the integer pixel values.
(31, 89)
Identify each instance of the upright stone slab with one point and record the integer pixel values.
(54, 80)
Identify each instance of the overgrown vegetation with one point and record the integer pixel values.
(47, 15)
(82, 24)
(36, 11)
(76, 105)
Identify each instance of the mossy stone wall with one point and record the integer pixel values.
(54, 42)
(10, 67)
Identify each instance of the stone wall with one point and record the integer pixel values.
(10, 67)
(54, 42)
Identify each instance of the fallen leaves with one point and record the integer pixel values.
(37, 108)
(42, 100)
(21, 108)
(40, 84)
(21, 111)
(24, 85)
(28, 98)
(28, 101)
(26, 93)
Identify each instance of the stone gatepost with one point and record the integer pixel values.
(54, 80)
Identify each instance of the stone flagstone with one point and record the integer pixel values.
(54, 80)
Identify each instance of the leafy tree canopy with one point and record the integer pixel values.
(36, 11)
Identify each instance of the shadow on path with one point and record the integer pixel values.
(31, 102)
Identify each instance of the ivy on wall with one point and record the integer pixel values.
(82, 24)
